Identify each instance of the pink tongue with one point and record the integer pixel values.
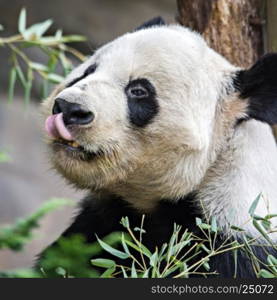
(56, 128)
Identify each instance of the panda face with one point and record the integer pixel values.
(143, 117)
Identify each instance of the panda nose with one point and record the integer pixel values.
(73, 113)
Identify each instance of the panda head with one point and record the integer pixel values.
(147, 114)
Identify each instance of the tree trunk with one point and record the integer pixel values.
(233, 28)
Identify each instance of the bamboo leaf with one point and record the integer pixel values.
(38, 67)
(154, 259)
(146, 274)
(21, 75)
(125, 222)
(124, 245)
(12, 80)
(254, 205)
(4, 157)
(41, 28)
(73, 38)
(59, 34)
(103, 263)
(262, 231)
(124, 272)
(36, 31)
(112, 250)
(27, 91)
(271, 216)
(213, 225)
(272, 262)
(266, 274)
(22, 21)
(236, 228)
(55, 78)
(108, 272)
(142, 249)
(198, 221)
(134, 271)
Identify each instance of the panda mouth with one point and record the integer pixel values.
(75, 150)
(63, 140)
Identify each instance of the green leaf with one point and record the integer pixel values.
(22, 21)
(112, 250)
(71, 254)
(103, 263)
(15, 236)
(272, 262)
(206, 266)
(66, 64)
(262, 231)
(4, 157)
(125, 222)
(36, 31)
(12, 80)
(59, 34)
(124, 245)
(266, 274)
(134, 271)
(266, 224)
(236, 228)
(38, 67)
(198, 221)
(41, 28)
(154, 259)
(55, 78)
(213, 225)
(179, 246)
(205, 226)
(73, 38)
(205, 248)
(254, 205)
(139, 229)
(270, 216)
(21, 273)
(108, 273)
(146, 274)
(21, 75)
(124, 272)
(141, 249)
(27, 91)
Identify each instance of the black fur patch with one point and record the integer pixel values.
(259, 85)
(90, 70)
(142, 108)
(157, 21)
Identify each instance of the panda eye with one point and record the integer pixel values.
(139, 89)
(137, 92)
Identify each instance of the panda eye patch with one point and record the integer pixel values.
(142, 103)
(90, 70)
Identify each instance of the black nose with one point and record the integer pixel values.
(73, 113)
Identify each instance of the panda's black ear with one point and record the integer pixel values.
(259, 86)
(158, 21)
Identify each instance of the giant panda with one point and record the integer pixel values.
(156, 123)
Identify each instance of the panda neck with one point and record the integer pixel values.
(245, 169)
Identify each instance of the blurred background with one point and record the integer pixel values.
(27, 181)
(241, 30)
